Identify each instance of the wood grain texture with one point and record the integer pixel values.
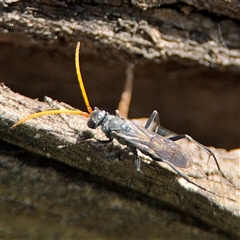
(156, 34)
(189, 50)
(57, 181)
(68, 140)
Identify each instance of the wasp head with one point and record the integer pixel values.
(96, 118)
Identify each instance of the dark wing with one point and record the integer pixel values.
(153, 145)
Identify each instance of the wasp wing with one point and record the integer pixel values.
(152, 144)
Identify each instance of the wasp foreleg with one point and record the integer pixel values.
(104, 141)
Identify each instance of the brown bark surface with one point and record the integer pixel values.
(187, 58)
(31, 185)
(181, 32)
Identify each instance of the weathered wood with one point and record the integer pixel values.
(173, 33)
(43, 199)
(69, 141)
(191, 33)
(219, 7)
(186, 56)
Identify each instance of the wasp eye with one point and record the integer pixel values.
(91, 124)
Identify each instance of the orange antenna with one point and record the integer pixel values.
(39, 114)
(79, 76)
(65, 111)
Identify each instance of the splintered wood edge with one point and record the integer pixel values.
(149, 40)
(67, 139)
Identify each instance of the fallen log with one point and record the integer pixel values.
(67, 140)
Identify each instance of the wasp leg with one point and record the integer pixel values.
(206, 149)
(159, 129)
(137, 160)
(154, 116)
(104, 141)
(189, 180)
(118, 113)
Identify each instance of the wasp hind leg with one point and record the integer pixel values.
(164, 132)
(154, 117)
(206, 149)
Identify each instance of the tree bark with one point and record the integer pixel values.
(186, 57)
(68, 140)
(176, 31)
(192, 51)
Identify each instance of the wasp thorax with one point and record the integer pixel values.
(96, 118)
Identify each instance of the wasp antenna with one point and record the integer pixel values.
(39, 114)
(66, 111)
(79, 76)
